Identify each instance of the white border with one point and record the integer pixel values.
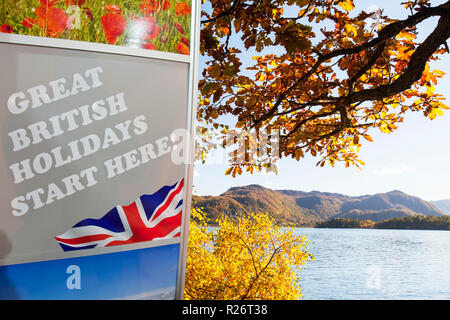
(191, 126)
(91, 46)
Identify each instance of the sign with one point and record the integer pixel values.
(95, 170)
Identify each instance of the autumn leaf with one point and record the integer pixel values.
(347, 5)
(351, 29)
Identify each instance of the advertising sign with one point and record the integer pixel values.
(94, 165)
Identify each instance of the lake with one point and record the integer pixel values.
(376, 264)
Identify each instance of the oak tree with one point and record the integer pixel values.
(325, 76)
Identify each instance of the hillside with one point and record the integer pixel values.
(346, 223)
(307, 208)
(443, 205)
(255, 198)
(416, 222)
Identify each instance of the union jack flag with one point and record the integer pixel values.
(150, 217)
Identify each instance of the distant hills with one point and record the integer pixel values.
(309, 208)
(417, 222)
(443, 205)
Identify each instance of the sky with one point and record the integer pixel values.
(414, 159)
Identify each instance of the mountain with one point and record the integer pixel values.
(254, 198)
(307, 208)
(443, 205)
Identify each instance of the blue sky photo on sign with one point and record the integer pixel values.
(148, 273)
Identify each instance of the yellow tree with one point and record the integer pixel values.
(339, 73)
(249, 257)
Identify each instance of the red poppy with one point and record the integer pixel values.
(6, 28)
(149, 7)
(28, 22)
(54, 20)
(182, 48)
(182, 8)
(185, 41)
(149, 45)
(179, 28)
(113, 25)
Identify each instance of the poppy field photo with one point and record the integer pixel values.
(162, 25)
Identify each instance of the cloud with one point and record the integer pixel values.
(389, 171)
(271, 184)
(372, 8)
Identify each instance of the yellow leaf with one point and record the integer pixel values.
(432, 114)
(430, 90)
(384, 129)
(407, 35)
(368, 138)
(276, 12)
(347, 5)
(262, 77)
(351, 29)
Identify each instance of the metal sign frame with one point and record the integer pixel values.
(192, 116)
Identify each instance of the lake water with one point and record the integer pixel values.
(376, 264)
